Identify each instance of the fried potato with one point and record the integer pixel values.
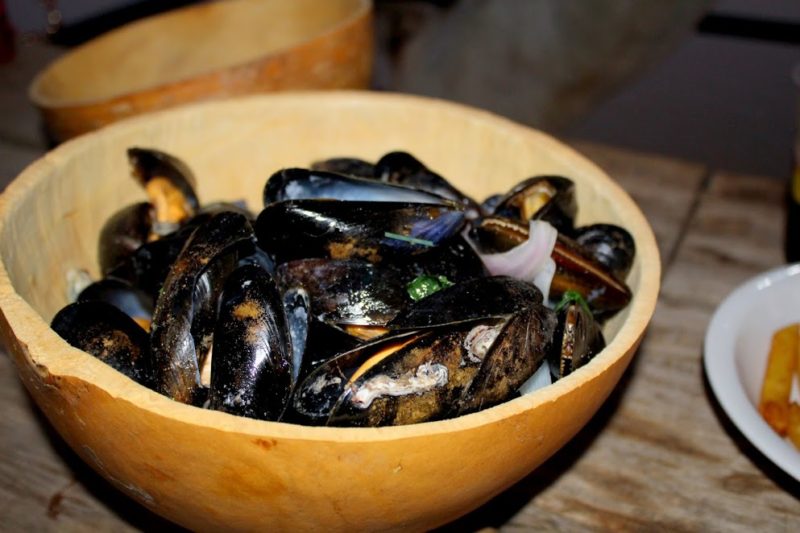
(777, 386)
(793, 431)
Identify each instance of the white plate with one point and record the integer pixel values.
(736, 350)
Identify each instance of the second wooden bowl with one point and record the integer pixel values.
(210, 50)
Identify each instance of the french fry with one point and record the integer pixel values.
(793, 431)
(777, 386)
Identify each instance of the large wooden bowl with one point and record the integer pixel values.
(206, 51)
(210, 470)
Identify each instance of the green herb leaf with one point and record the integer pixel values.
(424, 285)
(570, 297)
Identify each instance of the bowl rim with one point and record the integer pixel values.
(719, 361)
(30, 329)
(41, 100)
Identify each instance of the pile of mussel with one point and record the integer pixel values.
(363, 294)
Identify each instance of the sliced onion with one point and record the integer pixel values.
(530, 261)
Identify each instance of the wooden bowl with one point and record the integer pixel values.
(209, 470)
(206, 51)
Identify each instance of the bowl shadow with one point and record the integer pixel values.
(502, 508)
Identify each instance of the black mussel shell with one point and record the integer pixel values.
(576, 271)
(350, 166)
(132, 301)
(475, 299)
(349, 291)
(189, 293)
(207, 210)
(169, 184)
(299, 229)
(123, 233)
(304, 184)
(490, 204)
(454, 259)
(405, 169)
(147, 267)
(609, 245)
(576, 340)
(107, 333)
(313, 341)
(547, 198)
(518, 351)
(252, 367)
(495, 234)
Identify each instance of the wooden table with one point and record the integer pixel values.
(660, 454)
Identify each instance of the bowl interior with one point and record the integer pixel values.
(184, 43)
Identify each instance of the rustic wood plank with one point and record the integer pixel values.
(660, 454)
(664, 188)
(44, 486)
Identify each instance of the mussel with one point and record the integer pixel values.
(107, 333)
(444, 359)
(181, 330)
(252, 370)
(298, 229)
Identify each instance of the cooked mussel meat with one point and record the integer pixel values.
(169, 185)
(548, 198)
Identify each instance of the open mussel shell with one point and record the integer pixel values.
(609, 245)
(298, 229)
(577, 339)
(180, 328)
(132, 301)
(107, 333)
(169, 184)
(123, 233)
(252, 370)
(575, 269)
(547, 198)
(405, 169)
(304, 184)
(350, 166)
